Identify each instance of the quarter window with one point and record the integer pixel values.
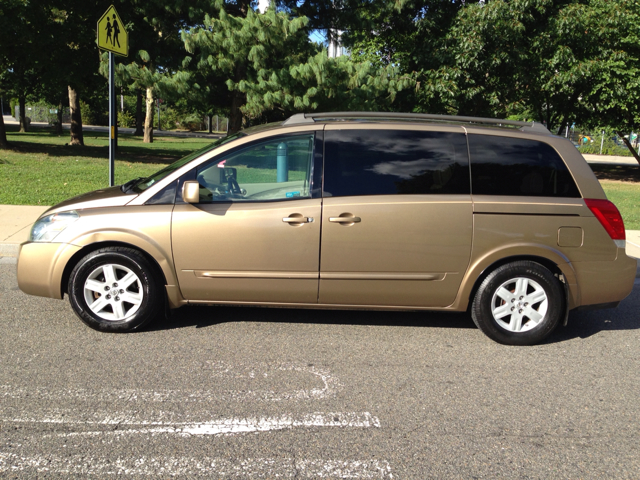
(277, 169)
(395, 162)
(513, 166)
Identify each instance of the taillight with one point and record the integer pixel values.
(609, 217)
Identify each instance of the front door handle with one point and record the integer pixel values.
(345, 218)
(297, 219)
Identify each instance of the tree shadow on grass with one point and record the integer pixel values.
(131, 154)
(36, 142)
(624, 173)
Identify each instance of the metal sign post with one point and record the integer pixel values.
(112, 119)
(113, 37)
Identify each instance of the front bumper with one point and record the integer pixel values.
(41, 267)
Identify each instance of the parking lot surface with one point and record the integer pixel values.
(225, 392)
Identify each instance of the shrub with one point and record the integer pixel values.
(191, 122)
(168, 119)
(87, 114)
(126, 120)
(609, 148)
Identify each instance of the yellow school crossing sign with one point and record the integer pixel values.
(112, 35)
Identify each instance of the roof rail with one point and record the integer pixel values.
(301, 118)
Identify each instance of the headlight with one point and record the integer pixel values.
(47, 228)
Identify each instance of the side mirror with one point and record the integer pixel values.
(191, 191)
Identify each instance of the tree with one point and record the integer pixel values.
(241, 47)
(545, 60)
(27, 31)
(272, 66)
(157, 51)
(558, 62)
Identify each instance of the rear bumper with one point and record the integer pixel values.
(605, 282)
(41, 266)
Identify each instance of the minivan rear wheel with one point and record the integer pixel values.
(519, 303)
(114, 290)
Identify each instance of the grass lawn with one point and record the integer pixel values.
(626, 196)
(41, 170)
(621, 183)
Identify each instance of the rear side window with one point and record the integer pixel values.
(395, 162)
(513, 166)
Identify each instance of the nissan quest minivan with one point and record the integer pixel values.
(351, 210)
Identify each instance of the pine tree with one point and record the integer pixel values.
(272, 66)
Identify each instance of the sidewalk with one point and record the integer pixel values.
(16, 222)
(610, 159)
(15, 225)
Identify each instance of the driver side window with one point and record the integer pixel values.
(276, 169)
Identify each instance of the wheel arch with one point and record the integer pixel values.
(551, 259)
(92, 247)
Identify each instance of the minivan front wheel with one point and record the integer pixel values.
(519, 303)
(114, 290)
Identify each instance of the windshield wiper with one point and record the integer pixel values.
(126, 187)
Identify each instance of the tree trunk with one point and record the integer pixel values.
(148, 119)
(210, 124)
(235, 117)
(77, 137)
(138, 131)
(58, 130)
(24, 125)
(243, 6)
(629, 146)
(238, 99)
(3, 135)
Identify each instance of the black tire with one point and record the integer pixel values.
(131, 307)
(511, 324)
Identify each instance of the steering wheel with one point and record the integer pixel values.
(234, 188)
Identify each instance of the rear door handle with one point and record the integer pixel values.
(349, 219)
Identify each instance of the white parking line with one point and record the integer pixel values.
(328, 385)
(224, 426)
(191, 467)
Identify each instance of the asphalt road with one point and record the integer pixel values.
(265, 393)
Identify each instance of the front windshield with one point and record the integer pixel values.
(145, 183)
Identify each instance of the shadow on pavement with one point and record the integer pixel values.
(584, 324)
(202, 316)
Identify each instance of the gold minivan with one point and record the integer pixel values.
(381, 211)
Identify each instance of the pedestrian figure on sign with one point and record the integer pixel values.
(108, 29)
(116, 31)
